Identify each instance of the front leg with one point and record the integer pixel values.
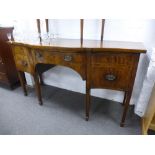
(125, 97)
(87, 107)
(22, 79)
(37, 87)
(126, 106)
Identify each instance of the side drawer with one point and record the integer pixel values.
(113, 71)
(21, 56)
(111, 77)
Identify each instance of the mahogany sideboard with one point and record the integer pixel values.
(103, 64)
(8, 72)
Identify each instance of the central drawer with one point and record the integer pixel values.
(68, 58)
(59, 57)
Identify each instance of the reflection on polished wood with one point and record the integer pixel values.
(109, 65)
(112, 46)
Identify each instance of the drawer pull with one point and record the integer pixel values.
(24, 63)
(68, 58)
(110, 77)
(39, 55)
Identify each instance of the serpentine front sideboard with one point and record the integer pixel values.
(103, 64)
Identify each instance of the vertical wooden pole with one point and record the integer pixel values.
(102, 29)
(39, 29)
(38, 26)
(81, 29)
(47, 25)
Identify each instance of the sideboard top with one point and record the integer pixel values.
(121, 46)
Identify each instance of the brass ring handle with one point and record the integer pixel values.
(110, 77)
(39, 55)
(68, 58)
(24, 63)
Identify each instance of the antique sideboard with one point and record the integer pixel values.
(103, 64)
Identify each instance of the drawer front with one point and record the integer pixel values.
(74, 60)
(113, 71)
(21, 56)
(3, 77)
(111, 78)
(61, 57)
